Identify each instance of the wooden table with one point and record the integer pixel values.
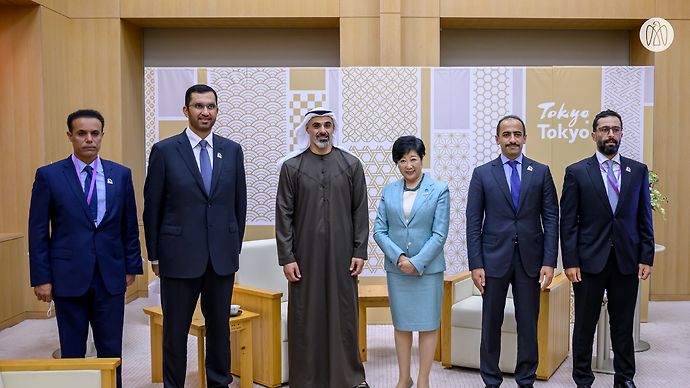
(242, 324)
(370, 295)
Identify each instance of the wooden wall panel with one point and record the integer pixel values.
(14, 278)
(21, 148)
(672, 91)
(389, 39)
(614, 9)
(359, 8)
(228, 8)
(673, 9)
(421, 42)
(416, 8)
(359, 43)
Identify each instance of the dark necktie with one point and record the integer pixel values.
(93, 205)
(514, 182)
(205, 166)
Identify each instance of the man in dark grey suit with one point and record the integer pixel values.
(607, 240)
(512, 238)
(195, 205)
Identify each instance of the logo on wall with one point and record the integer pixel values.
(656, 34)
(568, 119)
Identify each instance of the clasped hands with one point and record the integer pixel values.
(406, 265)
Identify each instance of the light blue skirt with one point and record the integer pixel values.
(415, 301)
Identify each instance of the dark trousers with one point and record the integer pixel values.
(104, 311)
(178, 299)
(621, 291)
(526, 301)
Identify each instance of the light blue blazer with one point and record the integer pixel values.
(422, 238)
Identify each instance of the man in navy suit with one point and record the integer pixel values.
(512, 238)
(84, 241)
(607, 242)
(195, 205)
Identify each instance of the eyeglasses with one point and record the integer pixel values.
(202, 106)
(605, 130)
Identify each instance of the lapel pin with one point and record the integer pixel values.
(219, 156)
(529, 168)
(627, 169)
(109, 181)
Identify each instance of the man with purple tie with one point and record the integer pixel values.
(512, 239)
(195, 206)
(607, 243)
(84, 241)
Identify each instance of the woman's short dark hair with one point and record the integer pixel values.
(405, 144)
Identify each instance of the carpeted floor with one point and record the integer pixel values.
(665, 365)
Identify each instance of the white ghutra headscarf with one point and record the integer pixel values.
(303, 141)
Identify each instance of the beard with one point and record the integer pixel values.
(608, 149)
(323, 142)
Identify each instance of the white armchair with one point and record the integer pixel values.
(67, 373)
(262, 288)
(461, 326)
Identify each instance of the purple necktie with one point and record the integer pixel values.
(514, 183)
(205, 166)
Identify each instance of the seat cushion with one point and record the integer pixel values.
(259, 267)
(468, 313)
(53, 379)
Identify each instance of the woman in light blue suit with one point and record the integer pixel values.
(411, 228)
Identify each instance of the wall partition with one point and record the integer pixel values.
(454, 110)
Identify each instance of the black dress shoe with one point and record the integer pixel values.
(492, 386)
(584, 386)
(624, 384)
(526, 386)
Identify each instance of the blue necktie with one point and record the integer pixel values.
(205, 165)
(610, 182)
(93, 205)
(514, 182)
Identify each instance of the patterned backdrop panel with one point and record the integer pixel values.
(491, 99)
(251, 105)
(452, 156)
(150, 114)
(379, 171)
(379, 104)
(622, 90)
(260, 107)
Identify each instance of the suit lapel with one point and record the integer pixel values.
(400, 201)
(75, 185)
(525, 179)
(110, 188)
(217, 163)
(422, 196)
(185, 150)
(597, 182)
(500, 176)
(625, 181)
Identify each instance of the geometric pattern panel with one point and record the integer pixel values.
(251, 112)
(150, 122)
(380, 104)
(379, 170)
(622, 90)
(300, 103)
(491, 99)
(452, 162)
(260, 108)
